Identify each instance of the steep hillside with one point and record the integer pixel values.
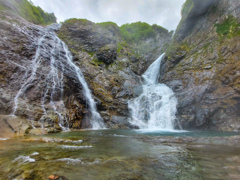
(202, 65)
(40, 83)
(149, 41)
(28, 11)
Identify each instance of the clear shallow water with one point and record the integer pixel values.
(117, 154)
(182, 133)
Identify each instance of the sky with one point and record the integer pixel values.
(166, 13)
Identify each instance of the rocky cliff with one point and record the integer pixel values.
(31, 83)
(38, 85)
(202, 65)
(111, 65)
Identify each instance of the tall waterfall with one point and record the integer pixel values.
(53, 55)
(155, 108)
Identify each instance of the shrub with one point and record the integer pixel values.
(230, 26)
(28, 11)
(135, 32)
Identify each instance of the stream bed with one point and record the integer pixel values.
(122, 154)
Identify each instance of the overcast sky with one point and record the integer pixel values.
(162, 12)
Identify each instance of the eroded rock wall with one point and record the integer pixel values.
(202, 65)
(111, 66)
(32, 82)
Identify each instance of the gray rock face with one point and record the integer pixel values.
(38, 84)
(112, 68)
(202, 66)
(41, 89)
(107, 54)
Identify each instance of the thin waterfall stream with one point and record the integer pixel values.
(155, 108)
(50, 47)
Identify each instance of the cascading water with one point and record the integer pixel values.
(155, 108)
(96, 119)
(53, 53)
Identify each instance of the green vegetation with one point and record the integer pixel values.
(28, 11)
(96, 62)
(108, 24)
(48, 18)
(229, 28)
(177, 49)
(138, 31)
(186, 8)
(121, 46)
(74, 20)
(159, 29)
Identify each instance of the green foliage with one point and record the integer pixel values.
(159, 29)
(230, 27)
(2, 7)
(74, 20)
(47, 17)
(108, 24)
(96, 62)
(187, 6)
(135, 32)
(28, 11)
(121, 45)
(119, 48)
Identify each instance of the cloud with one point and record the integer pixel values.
(162, 12)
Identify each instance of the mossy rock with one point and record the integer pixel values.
(107, 54)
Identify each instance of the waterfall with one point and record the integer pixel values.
(53, 60)
(95, 119)
(155, 108)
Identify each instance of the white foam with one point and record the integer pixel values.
(71, 161)
(79, 161)
(76, 142)
(74, 147)
(155, 108)
(24, 159)
(160, 131)
(4, 139)
(117, 135)
(34, 154)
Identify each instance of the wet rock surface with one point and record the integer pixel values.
(111, 67)
(202, 66)
(28, 75)
(37, 84)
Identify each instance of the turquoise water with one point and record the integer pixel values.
(187, 133)
(117, 154)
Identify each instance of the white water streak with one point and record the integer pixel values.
(155, 108)
(55, 81)
(96, 120)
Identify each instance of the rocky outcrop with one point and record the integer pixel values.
(110, 65)
(28, 11)
(29, 85)
(37, 83)
(202, 65)
(107, 54)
